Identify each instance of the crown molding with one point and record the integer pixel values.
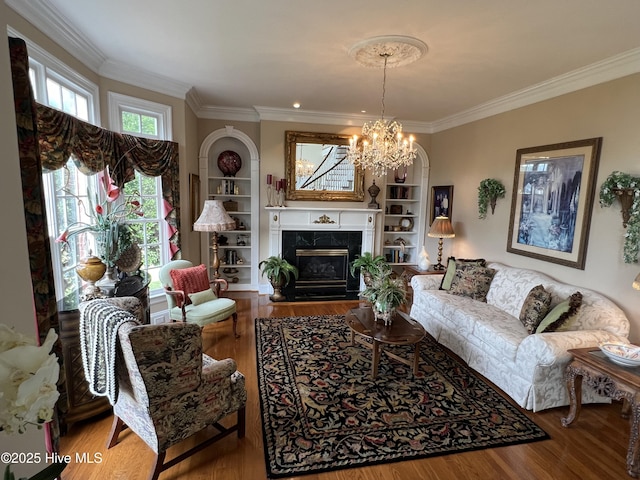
(618, 66)
(144, 79)
(51, 22)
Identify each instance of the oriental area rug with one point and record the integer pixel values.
(321, 410)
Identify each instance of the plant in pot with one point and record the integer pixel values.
(489, 191)
(386, 294)
(279, 272)
(370, 267)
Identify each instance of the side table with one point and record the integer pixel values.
(610, 380)
(409, 271)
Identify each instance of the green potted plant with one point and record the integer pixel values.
(278, 271)
(626, 189)
(386, 294)
(370, 266)
(489, 191)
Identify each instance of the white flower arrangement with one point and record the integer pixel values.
(28, 377)
(620, 181)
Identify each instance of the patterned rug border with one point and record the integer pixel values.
(275, 473)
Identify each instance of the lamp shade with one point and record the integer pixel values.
(214, 218)
(636, 282)
(441, 228)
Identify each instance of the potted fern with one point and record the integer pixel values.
(386, 294)
(489, 191)
(370, 266)
(278, 271)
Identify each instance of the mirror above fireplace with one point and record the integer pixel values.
(317, 168)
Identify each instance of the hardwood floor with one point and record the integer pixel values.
(594, 447)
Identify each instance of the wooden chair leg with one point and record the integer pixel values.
(116, 428)
(241, 422)
(159, 466)
(235, 325)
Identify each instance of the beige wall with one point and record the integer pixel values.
(466, 155)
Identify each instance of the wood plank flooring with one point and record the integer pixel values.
(594, 447)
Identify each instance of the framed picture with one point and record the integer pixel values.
(194, 197)
(441, 202)
(553, 193)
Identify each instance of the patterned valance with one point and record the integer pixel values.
(62, 136)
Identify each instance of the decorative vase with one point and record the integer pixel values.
(229, 163)
(107, 283)
(383, 312)
(373, 190)
(400, 174)
(423, 260)
(277, 284)
(91, 269)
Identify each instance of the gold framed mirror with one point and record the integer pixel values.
(317, 168)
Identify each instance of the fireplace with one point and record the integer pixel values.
(322, 272)
(322, 259)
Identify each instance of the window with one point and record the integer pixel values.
(151, 120)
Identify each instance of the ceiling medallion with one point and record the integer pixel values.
(382, 146)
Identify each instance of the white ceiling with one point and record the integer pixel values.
(484, 56)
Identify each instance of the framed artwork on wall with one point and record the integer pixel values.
(553, 194)
(441, 202)
(194, 197)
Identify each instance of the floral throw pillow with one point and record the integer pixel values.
(190, 280)
(535, 308)
(472, 281)
(452, 264)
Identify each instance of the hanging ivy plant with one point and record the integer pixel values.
(489, 191)
(616, 182)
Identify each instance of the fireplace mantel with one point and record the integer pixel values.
(321, 219)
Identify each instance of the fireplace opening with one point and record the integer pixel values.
(321, 272)
(322, 259)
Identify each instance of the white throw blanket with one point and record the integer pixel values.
(99, 324)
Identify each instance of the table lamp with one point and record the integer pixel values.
(441, 228)
(214, 218)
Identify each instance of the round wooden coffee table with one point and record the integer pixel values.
(372, 334)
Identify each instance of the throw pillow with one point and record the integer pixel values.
(190, 280)
(560, 314)
(202, 297)
(535, 308)
(472, 281)
(452, 264)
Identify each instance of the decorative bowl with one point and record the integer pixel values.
(229, 163)
(623, 354)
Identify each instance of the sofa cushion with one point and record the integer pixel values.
(535, 308)
(560, 314)
(452, 264)
(190, 280)
(472, 281)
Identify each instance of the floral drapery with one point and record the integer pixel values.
(62, 136)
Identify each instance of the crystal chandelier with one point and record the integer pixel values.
(382, 145)
(304, 168)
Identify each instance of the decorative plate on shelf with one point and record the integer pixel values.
(406, 223)
(130, 260)
(623, 354)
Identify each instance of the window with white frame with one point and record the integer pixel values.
(67, 190)
(151, 120)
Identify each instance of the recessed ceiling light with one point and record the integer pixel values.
(296, 105)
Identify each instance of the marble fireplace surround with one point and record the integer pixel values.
(319, 219)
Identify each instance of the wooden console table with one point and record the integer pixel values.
(78, 403)
(610, 380)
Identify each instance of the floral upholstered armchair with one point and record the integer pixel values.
(169, 390)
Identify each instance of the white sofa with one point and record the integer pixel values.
(492, 340)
